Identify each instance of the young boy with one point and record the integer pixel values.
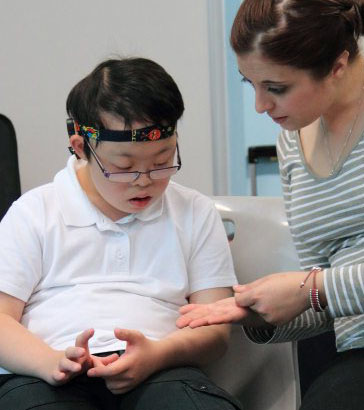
(94, 266)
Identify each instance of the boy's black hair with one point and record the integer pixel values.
(134, 89)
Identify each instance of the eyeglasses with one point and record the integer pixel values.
(131, 176)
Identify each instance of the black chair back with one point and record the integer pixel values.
(9, 167)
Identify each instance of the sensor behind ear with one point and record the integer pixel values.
(71, 130)
(70, 127)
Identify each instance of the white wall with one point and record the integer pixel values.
(49, 45)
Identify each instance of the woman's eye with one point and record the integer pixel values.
(277, 90)
(246, 81)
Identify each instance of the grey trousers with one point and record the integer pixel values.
(184, 388)
(340, 386)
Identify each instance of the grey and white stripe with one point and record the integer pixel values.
(326, 218)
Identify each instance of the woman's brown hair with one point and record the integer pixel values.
(305, 34)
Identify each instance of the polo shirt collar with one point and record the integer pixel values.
(76, 208)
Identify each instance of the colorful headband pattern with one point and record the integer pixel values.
(151, 133)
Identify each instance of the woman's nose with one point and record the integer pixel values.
(263, 102)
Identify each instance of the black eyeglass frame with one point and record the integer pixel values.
(137, 174)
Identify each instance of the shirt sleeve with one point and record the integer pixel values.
(20, 250)
(344, 287)
(306, 325)
(210, 264)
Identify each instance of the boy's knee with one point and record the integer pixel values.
(178, 391)
(25, 393)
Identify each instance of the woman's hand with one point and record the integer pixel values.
(277, 298)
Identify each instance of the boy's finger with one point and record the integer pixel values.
(67, 365)
(74, 352)
(182, 322)
(130, 336)
(186, 319)
(187, 308)
(108, 359)
(198, 323)
(58, 376)
(83, 338)
(112, 369)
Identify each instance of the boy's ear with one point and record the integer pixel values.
(77, 143)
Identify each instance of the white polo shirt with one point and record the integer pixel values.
(76, 269)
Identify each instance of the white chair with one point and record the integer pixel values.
(263, 377)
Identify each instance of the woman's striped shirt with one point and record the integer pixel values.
(326, 219)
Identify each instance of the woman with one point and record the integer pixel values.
(303, 60)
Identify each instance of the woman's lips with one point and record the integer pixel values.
(279, 120)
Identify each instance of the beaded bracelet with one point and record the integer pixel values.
(314, 293)
(315, 301)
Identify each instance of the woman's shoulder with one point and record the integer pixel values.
(287, 144)
(288, 138)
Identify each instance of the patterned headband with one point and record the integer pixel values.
(151, 133)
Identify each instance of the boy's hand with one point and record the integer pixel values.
(77, 359)
(74, 360)
(222, 311)
(138, 362)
